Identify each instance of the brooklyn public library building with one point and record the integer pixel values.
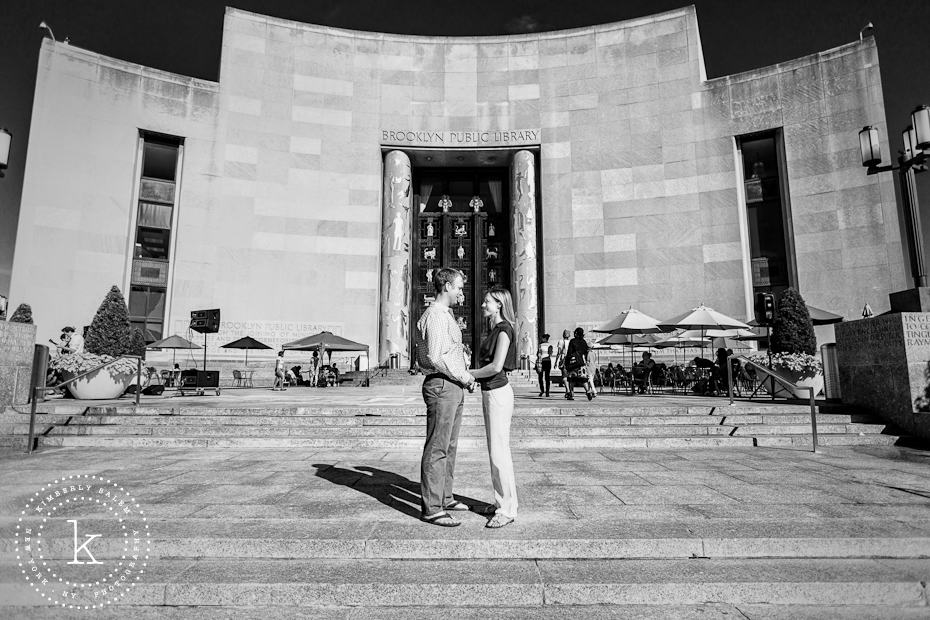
(326, 175)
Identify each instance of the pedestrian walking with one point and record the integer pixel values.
(279, 373)
(544, 364)
(442, 358)
(561, 351)
(576, 365)
(497, 355)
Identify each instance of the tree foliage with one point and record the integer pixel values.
(793, 330)
(137, 344)
(109, 332)
(22, 314)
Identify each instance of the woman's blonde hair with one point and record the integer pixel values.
(502, 296)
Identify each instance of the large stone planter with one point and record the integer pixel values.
(102, 384)
(802, 380)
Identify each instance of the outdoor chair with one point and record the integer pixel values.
(620, 380)
(237, 378)
(658, 377)
(166, 378)
(641, 380)
(746, 380)
(691, 376)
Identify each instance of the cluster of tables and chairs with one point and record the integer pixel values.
(674, 379)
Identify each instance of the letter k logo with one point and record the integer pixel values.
(83, 547)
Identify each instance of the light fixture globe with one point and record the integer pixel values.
(869, 147)
(6, 140)
(920, 121)
(909, 142)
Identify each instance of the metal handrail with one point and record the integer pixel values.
(775, 377)
(38, 392)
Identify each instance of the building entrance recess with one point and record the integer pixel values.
(461, 223)
(478, 219)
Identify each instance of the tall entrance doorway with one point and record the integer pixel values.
(461, 221)
(475, 211)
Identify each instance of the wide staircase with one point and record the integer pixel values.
(324, 524)
(609, 421)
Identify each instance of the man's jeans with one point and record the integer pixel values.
(444, 403)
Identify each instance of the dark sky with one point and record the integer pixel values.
(184, 36)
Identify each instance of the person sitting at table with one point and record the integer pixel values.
(643, 370)
(297, 376)
(702, 362)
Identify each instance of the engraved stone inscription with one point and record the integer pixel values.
(16, 344)
(917, 330)
(459, 138)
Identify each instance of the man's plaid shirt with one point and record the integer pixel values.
(439, 344)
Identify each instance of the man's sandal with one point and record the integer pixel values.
(456, 505)
(498, 521)
(442, 519)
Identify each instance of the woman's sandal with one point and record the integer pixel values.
(442, 519)
(498, 521)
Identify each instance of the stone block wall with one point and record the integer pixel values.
(884, 367)
(280, 196)
(17, 342)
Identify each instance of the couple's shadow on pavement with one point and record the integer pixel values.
(392, 490)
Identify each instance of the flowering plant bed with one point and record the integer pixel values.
(799, 363)
(801, 369)
(79, 363)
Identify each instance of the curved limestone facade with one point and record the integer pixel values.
(282, 189)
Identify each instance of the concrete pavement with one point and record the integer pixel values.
(735, 533)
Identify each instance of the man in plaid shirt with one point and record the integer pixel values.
(442, 358)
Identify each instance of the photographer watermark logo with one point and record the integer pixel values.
(82, 542)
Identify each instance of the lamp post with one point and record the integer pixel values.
(6, 140)
(913, 159)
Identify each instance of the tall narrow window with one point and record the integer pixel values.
(769, 215)
(152, 249)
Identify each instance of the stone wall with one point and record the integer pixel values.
(279, 216)
(17, 342)
(884, 366)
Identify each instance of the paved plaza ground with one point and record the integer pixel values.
(712, 533)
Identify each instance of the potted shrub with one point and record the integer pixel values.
(793, 346)
(108, 338)
(22, 314)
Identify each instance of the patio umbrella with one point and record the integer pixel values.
(246, 342)
(627, 340)
(630, 321)
(722, 342)
(822, 317)
(173, 342)
(327, 341)
(703, 318)
(818, 317)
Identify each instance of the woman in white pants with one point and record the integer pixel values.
(497, 355)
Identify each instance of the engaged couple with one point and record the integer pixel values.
(441, 356)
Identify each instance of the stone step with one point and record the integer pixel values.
(802, 429)
(405, 584)
(418, 431)
(801, 441)
(580, 418)
(350, 443)
(535, 536)
(546, 611)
